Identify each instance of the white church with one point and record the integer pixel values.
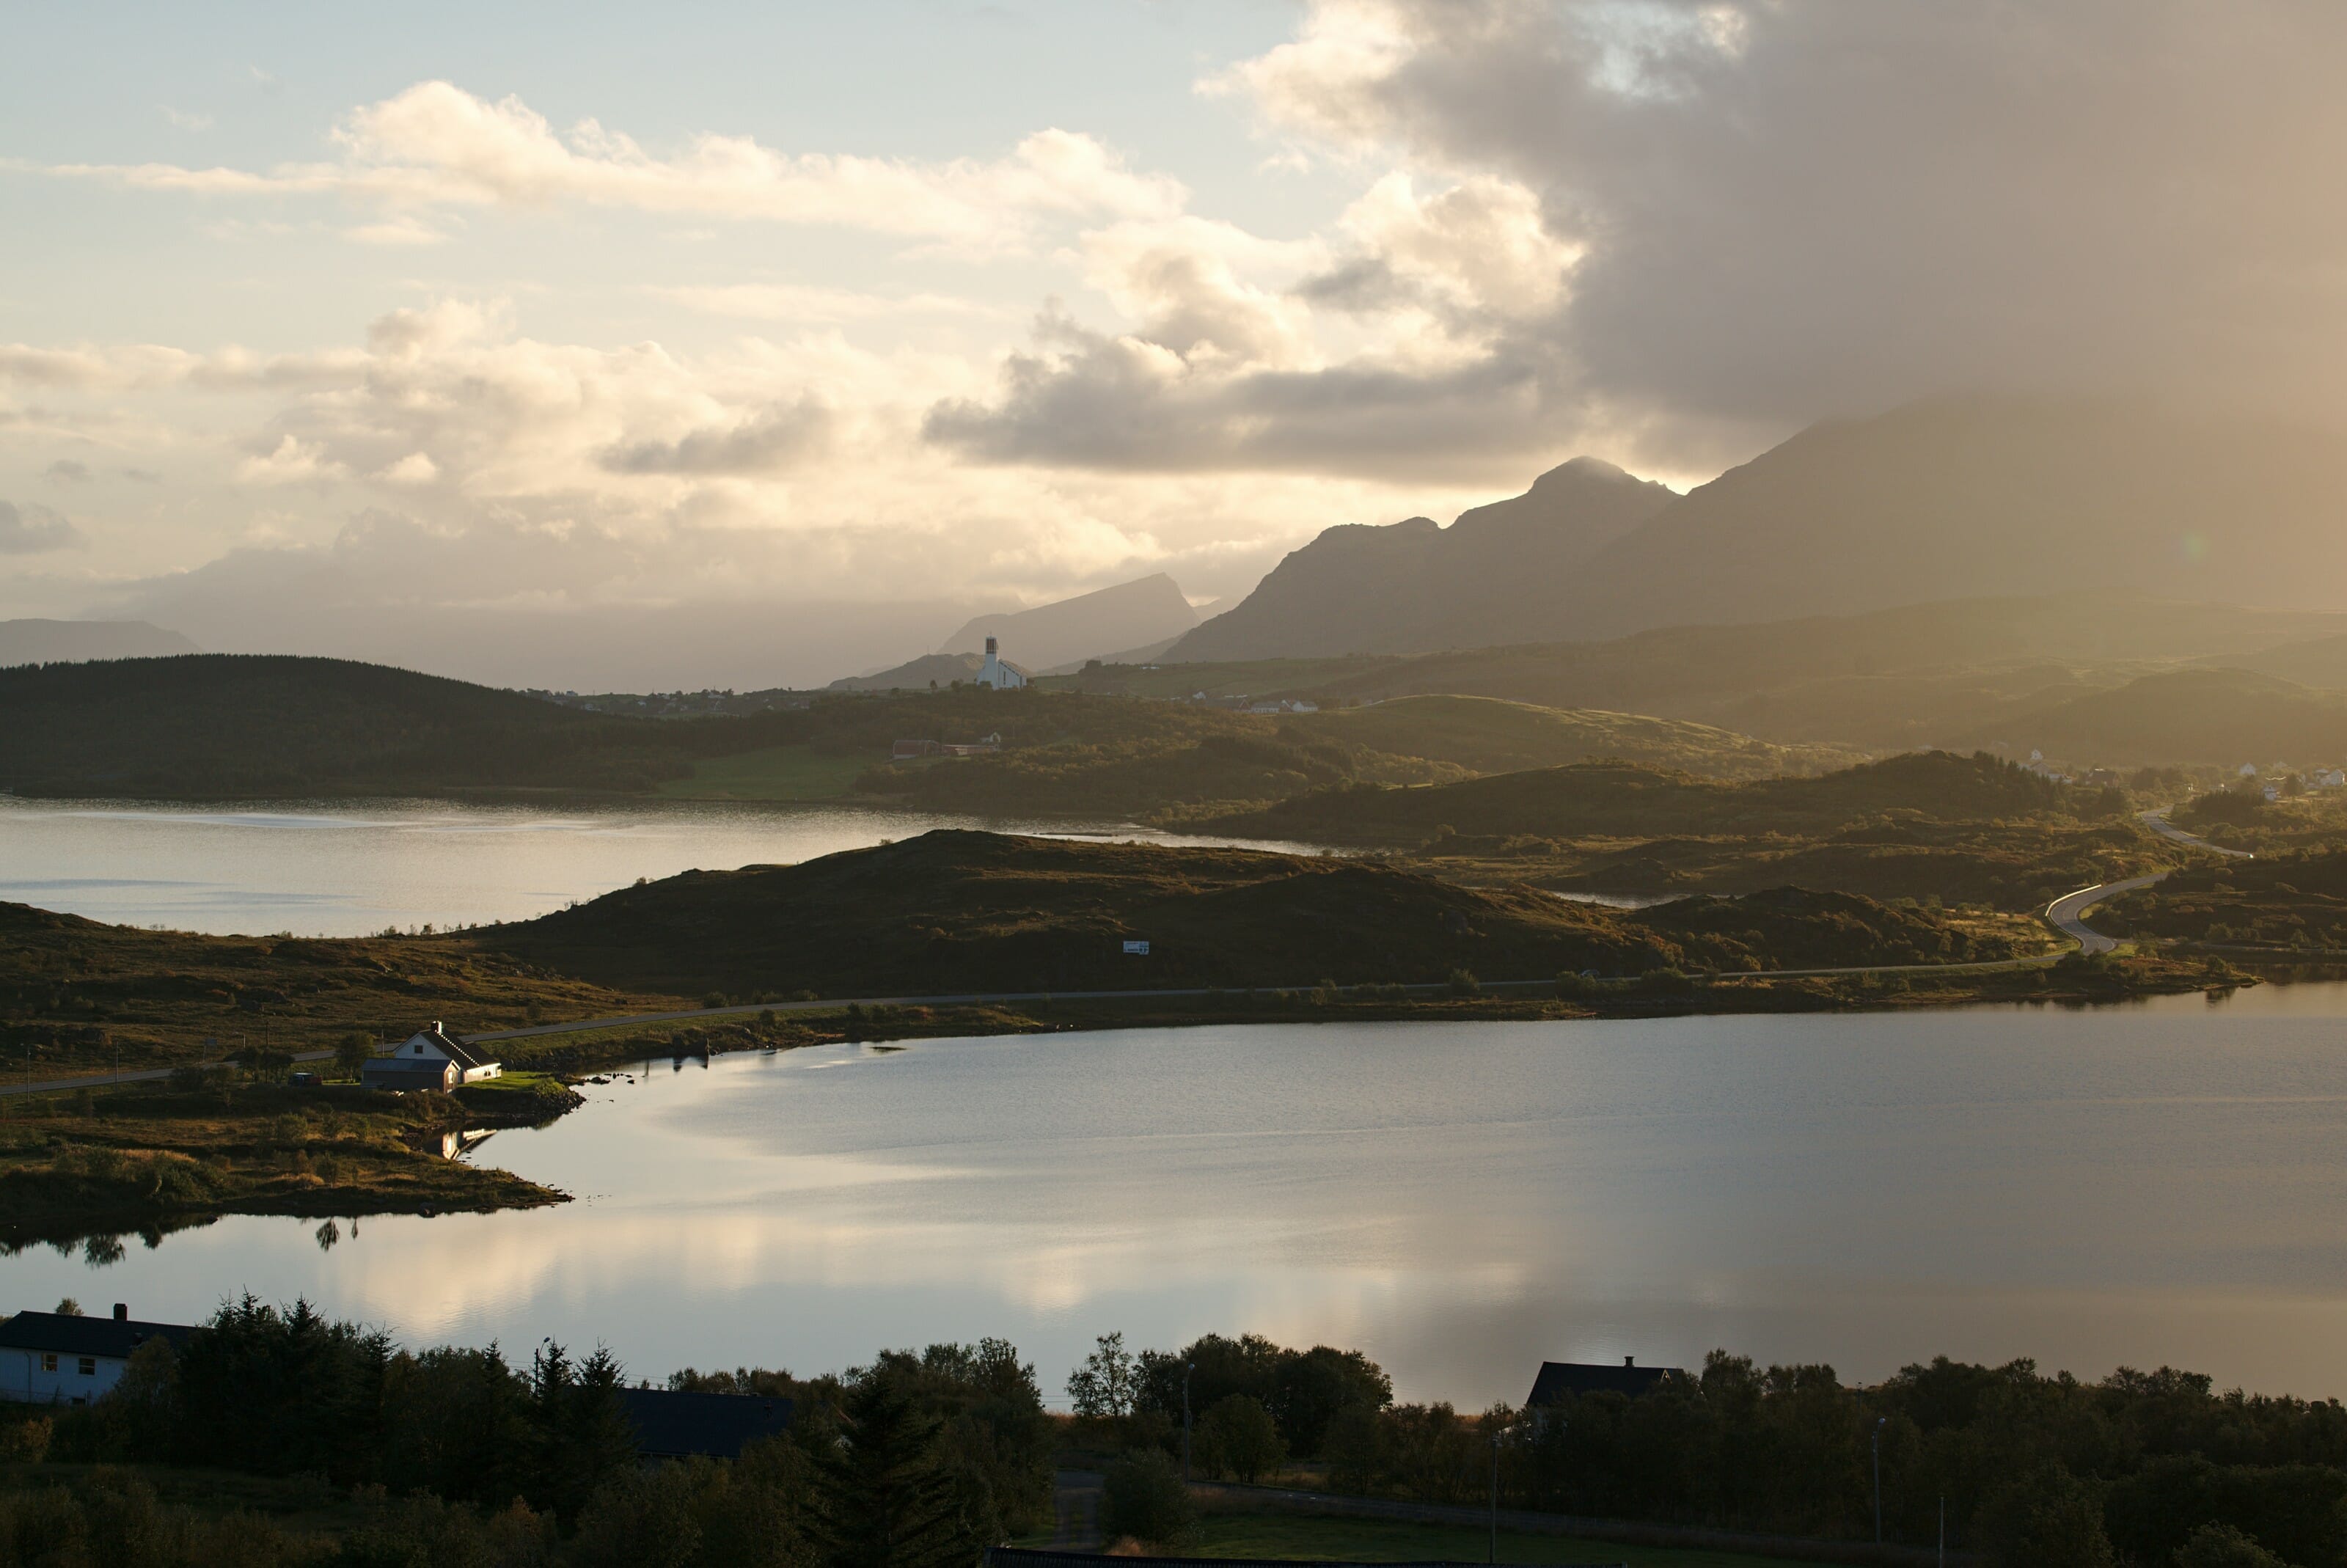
(994, 672)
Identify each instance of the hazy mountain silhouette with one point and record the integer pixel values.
(51, 642)
(1412, 587)
(1134, 614)
(1946, 498)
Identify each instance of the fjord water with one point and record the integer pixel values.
(2161, 1182)
(346, 868)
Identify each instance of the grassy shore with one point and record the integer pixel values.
(98, 1163)
(152, 1158)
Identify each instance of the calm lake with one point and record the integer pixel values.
(346, 868)
(2159, 1182)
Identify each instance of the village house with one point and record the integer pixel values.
(63, 1359)
(1558, 1379)
(429, 1058)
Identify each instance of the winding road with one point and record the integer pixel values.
(2066, 914)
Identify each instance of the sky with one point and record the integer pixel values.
(321, 324)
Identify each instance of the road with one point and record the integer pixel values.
(2064, 913)
(2157, 822)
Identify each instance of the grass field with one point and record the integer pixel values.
(777, 772)
(1293, 1535)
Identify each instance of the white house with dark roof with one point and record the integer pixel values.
(48, 1358)
(428, 1059)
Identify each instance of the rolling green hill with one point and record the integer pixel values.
(1490, 735)
(2219, 718)
(211, 725)
(952, 912)
(1618, 800)
(1922, 675)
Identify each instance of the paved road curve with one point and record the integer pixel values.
(2064, 913)
(2157, 822)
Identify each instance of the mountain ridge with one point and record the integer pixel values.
(1946, 498)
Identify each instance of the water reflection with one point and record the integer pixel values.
(353, 867)
(2159, 1183)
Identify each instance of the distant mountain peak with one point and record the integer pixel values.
(1414, 586)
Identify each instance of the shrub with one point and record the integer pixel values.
(1463, 983)
(2222, 1546)
(1143, 1497)
(1237, 1437)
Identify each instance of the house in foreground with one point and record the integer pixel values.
(49, 1358)
(672, 1424)
(1559, 1379)
(428, 1059)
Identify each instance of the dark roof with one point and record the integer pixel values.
(463, 1055)
(1558, 1379)
(670, 1424)
(113, 1336)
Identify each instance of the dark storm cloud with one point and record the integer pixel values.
(1787, 210)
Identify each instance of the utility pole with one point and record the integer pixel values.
(1879, 1423)
(1944, 1529)
(1187, 1367)
(1492, 1555)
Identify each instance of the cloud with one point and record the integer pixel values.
(141, 476)
(187, 120)
(404, 230)
(415, 468)
(1391, 346)
(32, 529)
(293, 461)
(1795, 208)
(436, 146)
(810, 303)
(66, 471)
(768, 442)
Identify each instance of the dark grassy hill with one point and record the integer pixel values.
(76, 994)
(2289, 901)
(224, 724)
(1618, 800)
(952, 912)
(2217, 717)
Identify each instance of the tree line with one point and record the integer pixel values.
(2141, 1469)
(457, 1456)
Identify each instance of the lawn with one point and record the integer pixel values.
(1300, 1535)
(775, 773)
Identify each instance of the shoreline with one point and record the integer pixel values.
(120, 1161)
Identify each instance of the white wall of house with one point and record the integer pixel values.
(44, 1377)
